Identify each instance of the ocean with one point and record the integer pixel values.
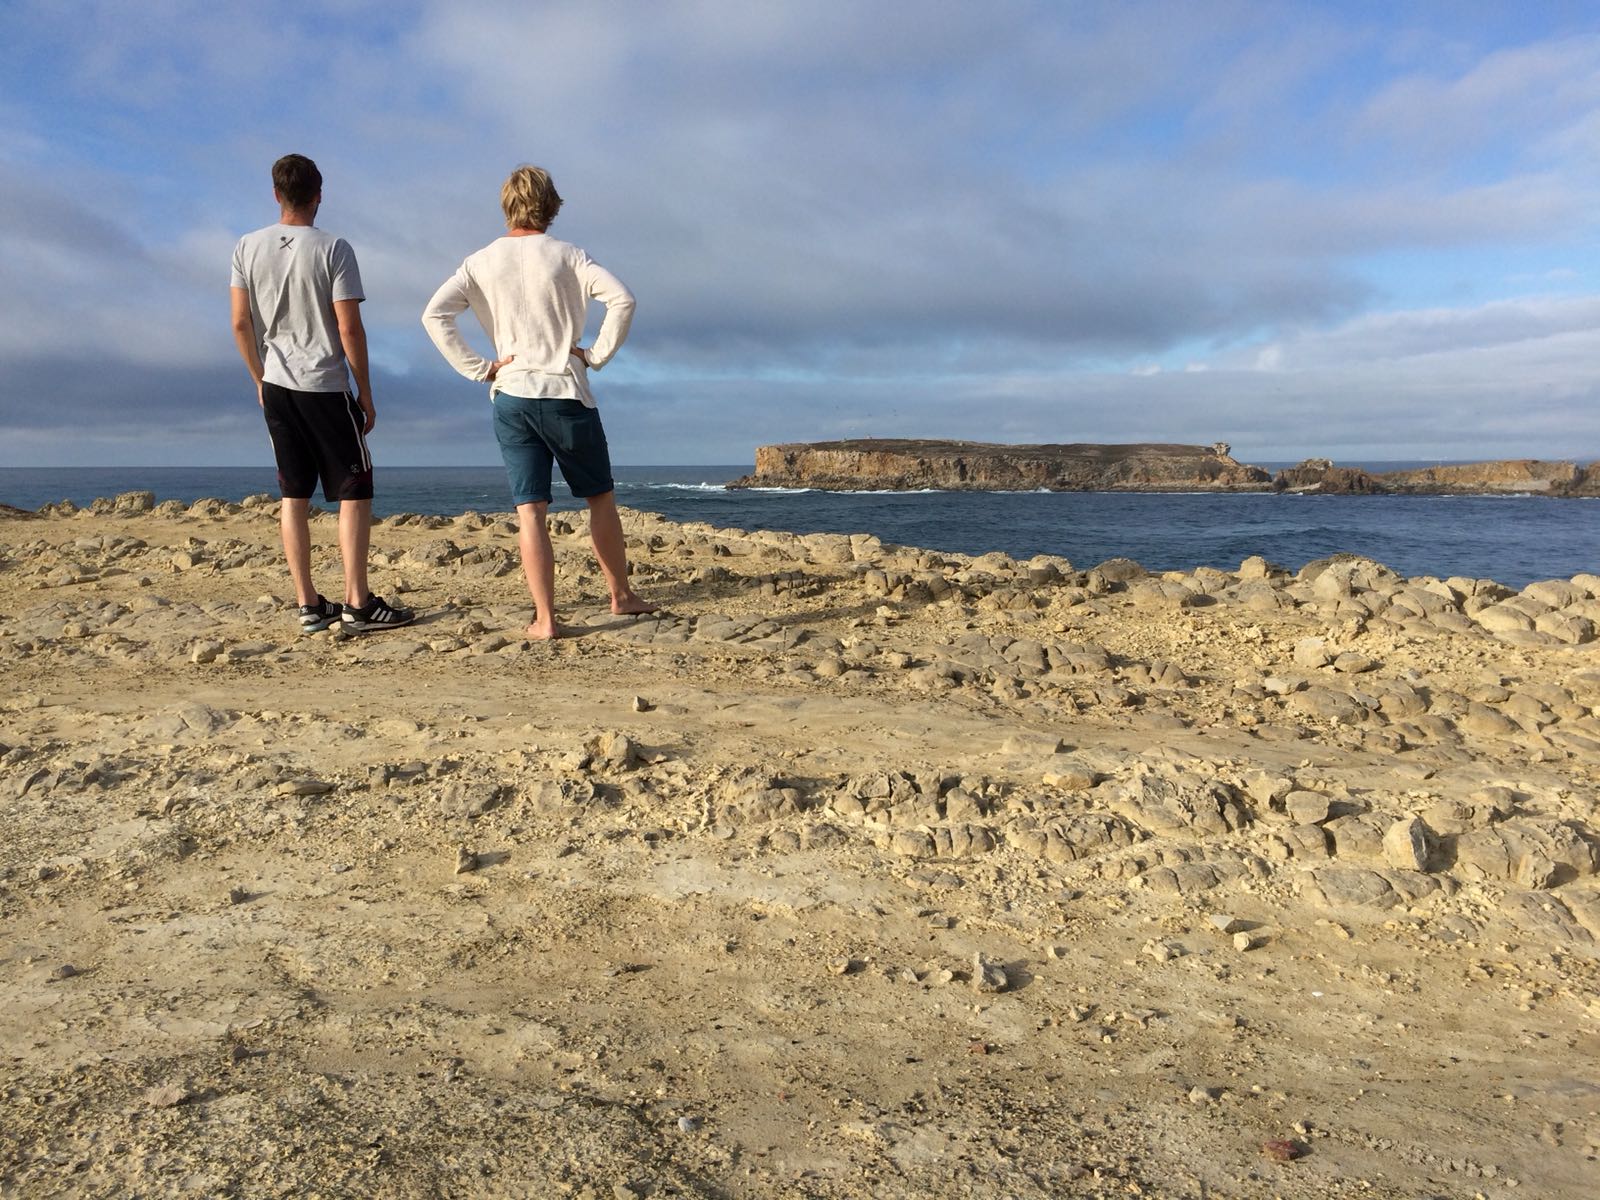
(1512, 539)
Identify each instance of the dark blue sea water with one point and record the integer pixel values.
(1514, 539)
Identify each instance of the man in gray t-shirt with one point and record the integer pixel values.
(297, 322)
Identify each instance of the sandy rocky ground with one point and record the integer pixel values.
(863, 872)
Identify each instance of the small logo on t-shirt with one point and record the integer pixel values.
(285, 241)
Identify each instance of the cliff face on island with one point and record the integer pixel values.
(904, 464)
(911, 465)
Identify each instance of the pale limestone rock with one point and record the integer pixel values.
(1501, 618)
(1031, 742)
(1264, 788)
(1484, 721)
(1313, 652)
(1531, 605)
(612, 749)
(1338, 887)
(1071, 778)
(1533, 852)
(1425, 601)
(1166, 800)
(1398, 699)
(828, 548)
(1263, 597)
(911, 843)
(1306, 841)
(1328, 705)
(304, 787)
(206, 652)
(1405, 844)
(988, 976)
(1557, 593)
(1566, 628)
(1306, 808)
(1351, 663)
(1118, 570)
(1331, 585)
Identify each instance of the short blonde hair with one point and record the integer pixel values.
(530, 199)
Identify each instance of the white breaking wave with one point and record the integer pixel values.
(674, 487)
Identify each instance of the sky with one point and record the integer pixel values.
(1365, 231)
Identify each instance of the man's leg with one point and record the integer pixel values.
(355, 538)
(292, 448)
(605, 528)
(538, 567)
(294, 521)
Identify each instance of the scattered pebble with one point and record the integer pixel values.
(166, 1095)
(304, 787)
(1162, 952)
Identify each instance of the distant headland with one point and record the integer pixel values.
(910, 464)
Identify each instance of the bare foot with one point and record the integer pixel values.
(633, 606)
(541, 632)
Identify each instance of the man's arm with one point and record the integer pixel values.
(244, 336)
(600, 284)
(353, 337)
(439, 319)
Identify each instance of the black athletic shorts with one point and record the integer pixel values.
(318, 434)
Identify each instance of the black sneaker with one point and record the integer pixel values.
(316, 617)
(376, 614)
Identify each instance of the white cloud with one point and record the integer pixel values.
(1386, 339)
(895, 216)
(1503, 101)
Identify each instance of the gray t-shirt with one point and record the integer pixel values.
(293, 274)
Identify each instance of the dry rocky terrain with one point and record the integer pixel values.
(861, 871)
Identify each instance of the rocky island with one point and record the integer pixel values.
(912, 464)
(906, 464)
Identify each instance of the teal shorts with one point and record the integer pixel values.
(534, 434)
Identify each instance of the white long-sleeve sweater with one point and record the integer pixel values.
(530, 293)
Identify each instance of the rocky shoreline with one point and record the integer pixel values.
(915, 465)
(860, 871)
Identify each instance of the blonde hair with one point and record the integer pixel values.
(530, 199)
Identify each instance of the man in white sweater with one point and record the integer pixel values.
(530, 292)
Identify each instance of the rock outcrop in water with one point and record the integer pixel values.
(914, 464)
(1515, 475)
